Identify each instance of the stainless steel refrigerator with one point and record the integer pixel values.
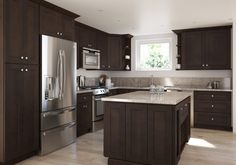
(58, 100)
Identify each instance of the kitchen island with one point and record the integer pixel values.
(142, 128)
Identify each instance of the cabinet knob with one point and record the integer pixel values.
(84, 98)
(206, 64)
(85, 106)
(109, 66)
(26, 58)
(212, 119)
(58, 33)
(26, 70)
(89, 45)
(203, 65)
(22, 57)
(22, 70)
(212, 96)
(61, 34)
(185, 105)
(212, 106)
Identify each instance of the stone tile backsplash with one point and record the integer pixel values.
(172, 81)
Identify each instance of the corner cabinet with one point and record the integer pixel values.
(138, 134)
(204, 48)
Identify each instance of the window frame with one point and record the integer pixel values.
(156, 40)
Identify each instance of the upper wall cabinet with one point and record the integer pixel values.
(205, 48)
(86, 36)
(22, 32)
(57, 22)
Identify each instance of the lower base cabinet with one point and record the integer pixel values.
(84, 113)
(138, 134)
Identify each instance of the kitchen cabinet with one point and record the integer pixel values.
(22, 111)
(204, 48)
(212, 110)
(114, 52)
(136, 148)
(136, 133)
(84, 113)
(160, 133)
(102, 45)
(56, 23)
(87, 36)
(114, 136)
(22, 32)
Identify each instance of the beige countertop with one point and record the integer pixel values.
(167, 98)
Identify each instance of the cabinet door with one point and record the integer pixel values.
(101, 40)
(29, 139)
(31, 33)
(68, 25)
(160, 134)
(136, 133)
(13, 113)
(192, 51)
(114, 130)
(87, 37)
(114, 53)
(14, 31)
(218, 49)
(50, 22)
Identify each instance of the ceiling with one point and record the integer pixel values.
(144, 17)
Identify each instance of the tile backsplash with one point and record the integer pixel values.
(171, 81)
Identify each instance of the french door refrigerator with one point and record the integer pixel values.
(58, 100)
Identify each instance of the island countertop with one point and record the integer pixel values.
(167, 98)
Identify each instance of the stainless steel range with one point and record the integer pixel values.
(98, 105)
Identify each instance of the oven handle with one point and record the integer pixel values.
(98, 99)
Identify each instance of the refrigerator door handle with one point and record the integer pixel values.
(63, 56)
(60, 74)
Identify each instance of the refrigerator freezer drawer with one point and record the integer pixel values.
(57, 138)
(57, 118)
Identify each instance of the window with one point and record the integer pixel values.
(153, 55)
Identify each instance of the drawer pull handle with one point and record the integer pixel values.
(84, 98)
(212, 119)
(186, 105)
(85, 106)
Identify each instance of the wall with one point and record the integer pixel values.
(234, 76)
(173, 72)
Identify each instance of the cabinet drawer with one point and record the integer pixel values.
(212, 119)
(183, 113)
(213, 107)
(212, 96)
(84, 97)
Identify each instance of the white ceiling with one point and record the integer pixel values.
(142, 17)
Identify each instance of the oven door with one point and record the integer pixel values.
(91, 60)
(98, 107)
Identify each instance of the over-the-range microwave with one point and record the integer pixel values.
(91, 58)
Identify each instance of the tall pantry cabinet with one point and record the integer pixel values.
(19, 79)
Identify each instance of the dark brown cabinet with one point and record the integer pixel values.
(55, 23)
(145, 133)
(114, 130)
(212, 110)
(87, 36)
(22, 32)
(204, 48)
(102, 45)
(114, 52)
(136, 126)
(22, 111)
(84, 113)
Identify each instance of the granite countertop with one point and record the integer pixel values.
(167, 98)
(178, 88)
